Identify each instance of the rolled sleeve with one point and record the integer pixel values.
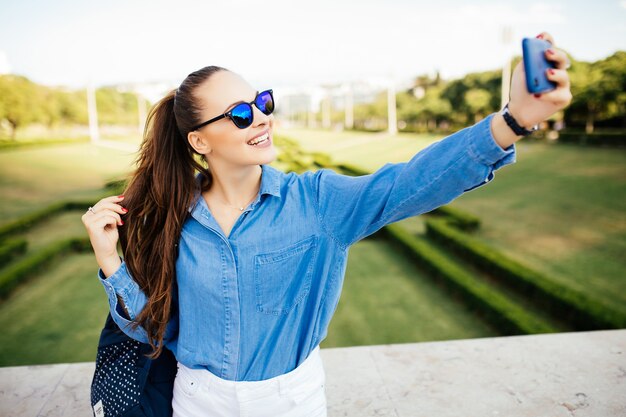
(484, 149)
(353, 207)
(122, 284)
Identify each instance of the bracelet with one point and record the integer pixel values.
(512, 123)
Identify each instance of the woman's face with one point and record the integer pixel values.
(222, 142)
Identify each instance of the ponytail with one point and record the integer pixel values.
(158, 196)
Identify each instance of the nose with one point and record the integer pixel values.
(260, 118)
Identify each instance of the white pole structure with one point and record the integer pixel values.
(506, 70)
(391, 108)
(141, 112)
(349, 108)
(92, 113)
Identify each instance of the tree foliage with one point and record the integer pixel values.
(23, 102)
(598, 89)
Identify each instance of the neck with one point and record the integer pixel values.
(235, 186)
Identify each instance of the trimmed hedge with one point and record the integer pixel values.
(580, 310)
(20, 271)
(460, 219)
(352, 169)
(11, 248)
(617, 139)
(31, 219)
(321, 160)
(116, 186)
(507, 316)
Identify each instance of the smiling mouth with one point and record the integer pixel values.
(260, 139)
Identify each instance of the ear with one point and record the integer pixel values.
(199, 143)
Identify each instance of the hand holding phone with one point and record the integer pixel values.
(530, 108)
(536, 65)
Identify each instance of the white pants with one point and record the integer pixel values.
(298, 393)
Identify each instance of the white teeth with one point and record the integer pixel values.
(259, 139)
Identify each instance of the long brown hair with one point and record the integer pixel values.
(158, 195)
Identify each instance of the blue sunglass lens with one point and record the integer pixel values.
(242, 115)
(265, 102)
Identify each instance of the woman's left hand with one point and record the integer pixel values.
(529, 109)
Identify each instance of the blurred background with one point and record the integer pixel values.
(357, 84)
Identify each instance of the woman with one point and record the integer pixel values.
(238, 269)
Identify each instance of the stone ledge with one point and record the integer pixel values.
(580, 374)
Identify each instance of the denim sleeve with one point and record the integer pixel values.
(122, 284)
(353, 207)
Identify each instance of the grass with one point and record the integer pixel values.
(560, 209)
(34, 177)
(62, 226)
(386, 299)
(367, 150)
(56, 317)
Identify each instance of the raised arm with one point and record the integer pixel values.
(351, 208)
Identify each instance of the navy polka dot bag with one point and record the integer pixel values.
(128, 384)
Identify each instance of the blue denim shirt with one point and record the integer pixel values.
(252, 305)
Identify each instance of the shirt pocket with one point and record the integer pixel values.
(282, 278)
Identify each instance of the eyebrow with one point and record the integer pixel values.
(239, 102)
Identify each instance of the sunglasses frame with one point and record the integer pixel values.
(229, 112)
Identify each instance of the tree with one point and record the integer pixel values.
(486, 97)
(20, 101)
(598, 91)
(115, 107)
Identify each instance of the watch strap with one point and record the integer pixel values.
(512, 123)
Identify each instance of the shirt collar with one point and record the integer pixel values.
(270, 184)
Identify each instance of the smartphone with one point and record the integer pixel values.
(536, 65)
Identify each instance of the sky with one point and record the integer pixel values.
(289, 42)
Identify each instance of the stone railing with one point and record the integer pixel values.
(580, 374)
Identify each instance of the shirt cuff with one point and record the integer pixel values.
(120, 283)
(483, 147)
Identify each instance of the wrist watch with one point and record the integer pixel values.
(512, 123)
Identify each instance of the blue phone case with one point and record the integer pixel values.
(536, 65)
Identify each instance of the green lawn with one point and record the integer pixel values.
(560, 209)
(367, 150)
(32, 178)
(56, 317)
(386, 299)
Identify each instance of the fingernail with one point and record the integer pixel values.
(537, 95)
(551, 71)
(124, 209)
(120, 196)
(540, 36)
(121, 222)
(550, 51)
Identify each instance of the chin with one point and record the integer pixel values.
(269, 156)
(269, 160)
